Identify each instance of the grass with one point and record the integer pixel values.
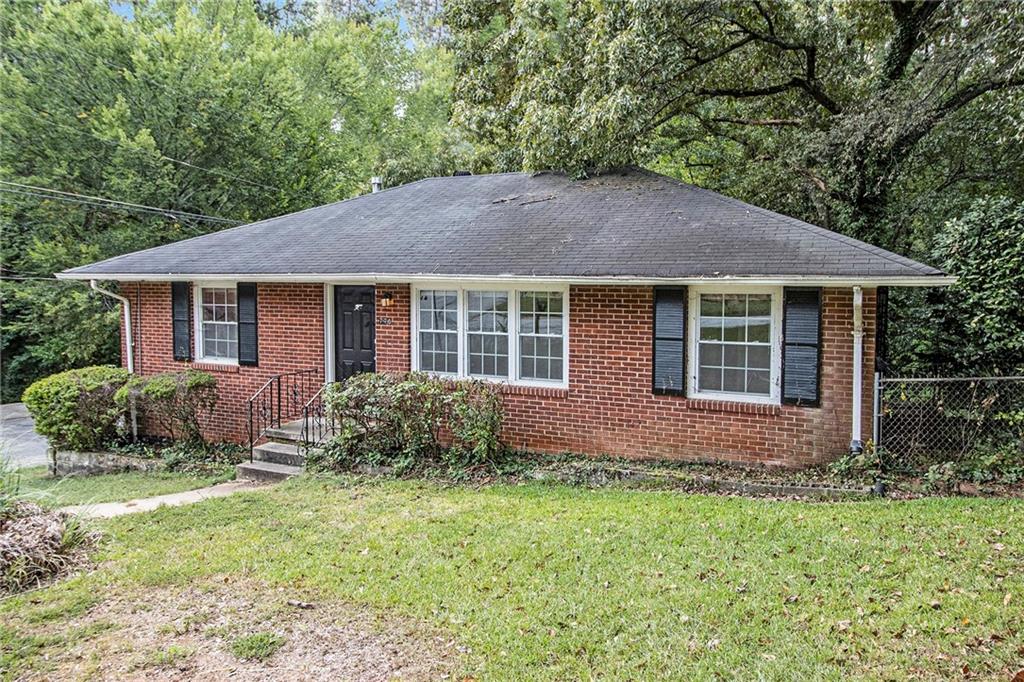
(550, 582)
(48, 491)
(258, 646)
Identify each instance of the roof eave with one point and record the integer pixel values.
(372, 278)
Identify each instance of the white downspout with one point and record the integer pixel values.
(129, 345)
(856, 446)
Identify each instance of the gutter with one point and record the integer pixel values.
(129, 344)
(400, 278)
(856, 445)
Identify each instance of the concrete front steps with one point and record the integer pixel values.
(276, 459)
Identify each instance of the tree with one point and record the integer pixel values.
(196, 106)
(978, 323)
(860, 117)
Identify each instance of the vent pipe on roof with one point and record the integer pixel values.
(375, 183)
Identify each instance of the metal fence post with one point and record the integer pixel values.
(876, 412)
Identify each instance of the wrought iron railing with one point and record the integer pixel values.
(926, 421)
(281, 398)
(318, 422)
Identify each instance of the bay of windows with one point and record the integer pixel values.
(492, 334)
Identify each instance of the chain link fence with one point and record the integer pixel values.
(927, 421)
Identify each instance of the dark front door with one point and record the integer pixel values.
(354, 331)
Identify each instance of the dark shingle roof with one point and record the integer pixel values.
(628, 223)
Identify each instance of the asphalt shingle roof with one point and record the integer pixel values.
(629, 223)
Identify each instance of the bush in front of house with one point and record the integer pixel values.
(76, 410)
(410, 422)
(178, 401)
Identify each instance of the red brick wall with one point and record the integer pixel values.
(291, 337)
(608, 407)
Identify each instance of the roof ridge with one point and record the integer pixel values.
(802, 224)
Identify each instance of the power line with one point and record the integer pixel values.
(73, 197)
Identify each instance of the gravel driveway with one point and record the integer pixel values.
(19, 442)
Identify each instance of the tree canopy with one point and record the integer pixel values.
(200, 107)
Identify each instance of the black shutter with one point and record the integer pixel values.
(181, 321)
(801, 346)
(248, 345)
(669, 351)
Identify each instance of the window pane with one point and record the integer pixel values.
(709, 379)
(759, 305)
(710, 329)
(735, 305)
(734, 329)
(711, 305)
(758, 381)
(711, 354)
(759, 330)
(734, 380)
(758, 357)
(735, 356)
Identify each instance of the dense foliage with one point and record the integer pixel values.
(199, 106)
(411, 421)
(177, 401)
(76, 410)
(879, 120)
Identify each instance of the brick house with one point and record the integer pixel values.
(626, 314)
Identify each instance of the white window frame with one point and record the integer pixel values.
(513, 291)
(197, 317)
(693, 333)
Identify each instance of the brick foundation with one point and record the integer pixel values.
(608, 408)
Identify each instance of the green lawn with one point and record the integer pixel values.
(57, 492)
(552, 582)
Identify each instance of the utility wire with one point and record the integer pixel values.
(73, 197)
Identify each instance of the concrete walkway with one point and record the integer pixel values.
(108, 510)
(19, 442)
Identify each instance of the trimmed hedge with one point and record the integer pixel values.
(176, 400)
(75, 409)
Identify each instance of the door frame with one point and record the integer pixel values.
(329, 347)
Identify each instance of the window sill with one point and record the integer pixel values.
(711, 405)
(543, 391)
(223, 367)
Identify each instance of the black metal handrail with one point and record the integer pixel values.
(318, 422)
(282, 397)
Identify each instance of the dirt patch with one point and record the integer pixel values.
(186, 633)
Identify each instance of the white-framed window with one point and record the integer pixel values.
(439, 331)
(216, 309)
(736, 343)
(516, 335)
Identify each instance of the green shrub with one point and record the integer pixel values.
(397, 420)
(178, 401)
(76, 409)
